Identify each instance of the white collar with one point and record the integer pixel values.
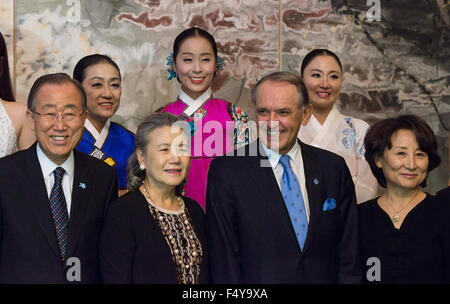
(99, 137)
(189, 101)
(274, 157)
(330, 117)
(48, 166)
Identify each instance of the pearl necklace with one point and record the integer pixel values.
(147, 195)
(194, 248)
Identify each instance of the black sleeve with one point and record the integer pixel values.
(221, 231)
(117, 244)
(349, 265)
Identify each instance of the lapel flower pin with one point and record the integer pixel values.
(82, 186)
(316, 181)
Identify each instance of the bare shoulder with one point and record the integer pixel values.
(16, 110)
(17, 113)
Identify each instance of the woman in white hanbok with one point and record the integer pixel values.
(14, 130)
(329, 129)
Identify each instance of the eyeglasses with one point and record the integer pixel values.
(52, 117)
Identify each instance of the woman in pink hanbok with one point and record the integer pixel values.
(217, 126)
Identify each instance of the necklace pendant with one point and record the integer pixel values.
(395, 219)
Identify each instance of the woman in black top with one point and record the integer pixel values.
(405, 237)
(153, 234)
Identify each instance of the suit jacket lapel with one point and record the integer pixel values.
(314, 178)
(265, 178)
(81, 190)
(35, 194)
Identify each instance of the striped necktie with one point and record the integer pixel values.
(59, 211)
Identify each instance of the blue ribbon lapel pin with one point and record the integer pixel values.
(330, 204)
(82, 186)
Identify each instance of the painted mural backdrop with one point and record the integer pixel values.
(395, 53)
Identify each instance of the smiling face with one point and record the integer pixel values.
(103, 89)
(58, 138)
(195, 65)
(166, 158)
(323, 78)
(404, 165)
(278, 115)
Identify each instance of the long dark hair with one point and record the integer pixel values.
(318, 52)
(189, 33)
(6, 92)
(85, 62)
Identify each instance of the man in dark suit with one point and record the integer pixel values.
(52, 198)
(444, 195)
(280, 211)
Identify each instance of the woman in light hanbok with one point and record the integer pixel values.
(329, 129)
(106, 140)
(15, 132)
(217, 126)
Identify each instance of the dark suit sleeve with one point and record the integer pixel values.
(443, 213)
(117, 244)
(113, 190)
(349, 270)
(1, 226)
(446, 237)
(444, 195)
(446, 240)
(221, 230)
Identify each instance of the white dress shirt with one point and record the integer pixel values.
(296, 162)
(47, 167)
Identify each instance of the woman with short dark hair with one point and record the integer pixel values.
(406, 229)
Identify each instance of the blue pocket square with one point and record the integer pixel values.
(329, 204)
